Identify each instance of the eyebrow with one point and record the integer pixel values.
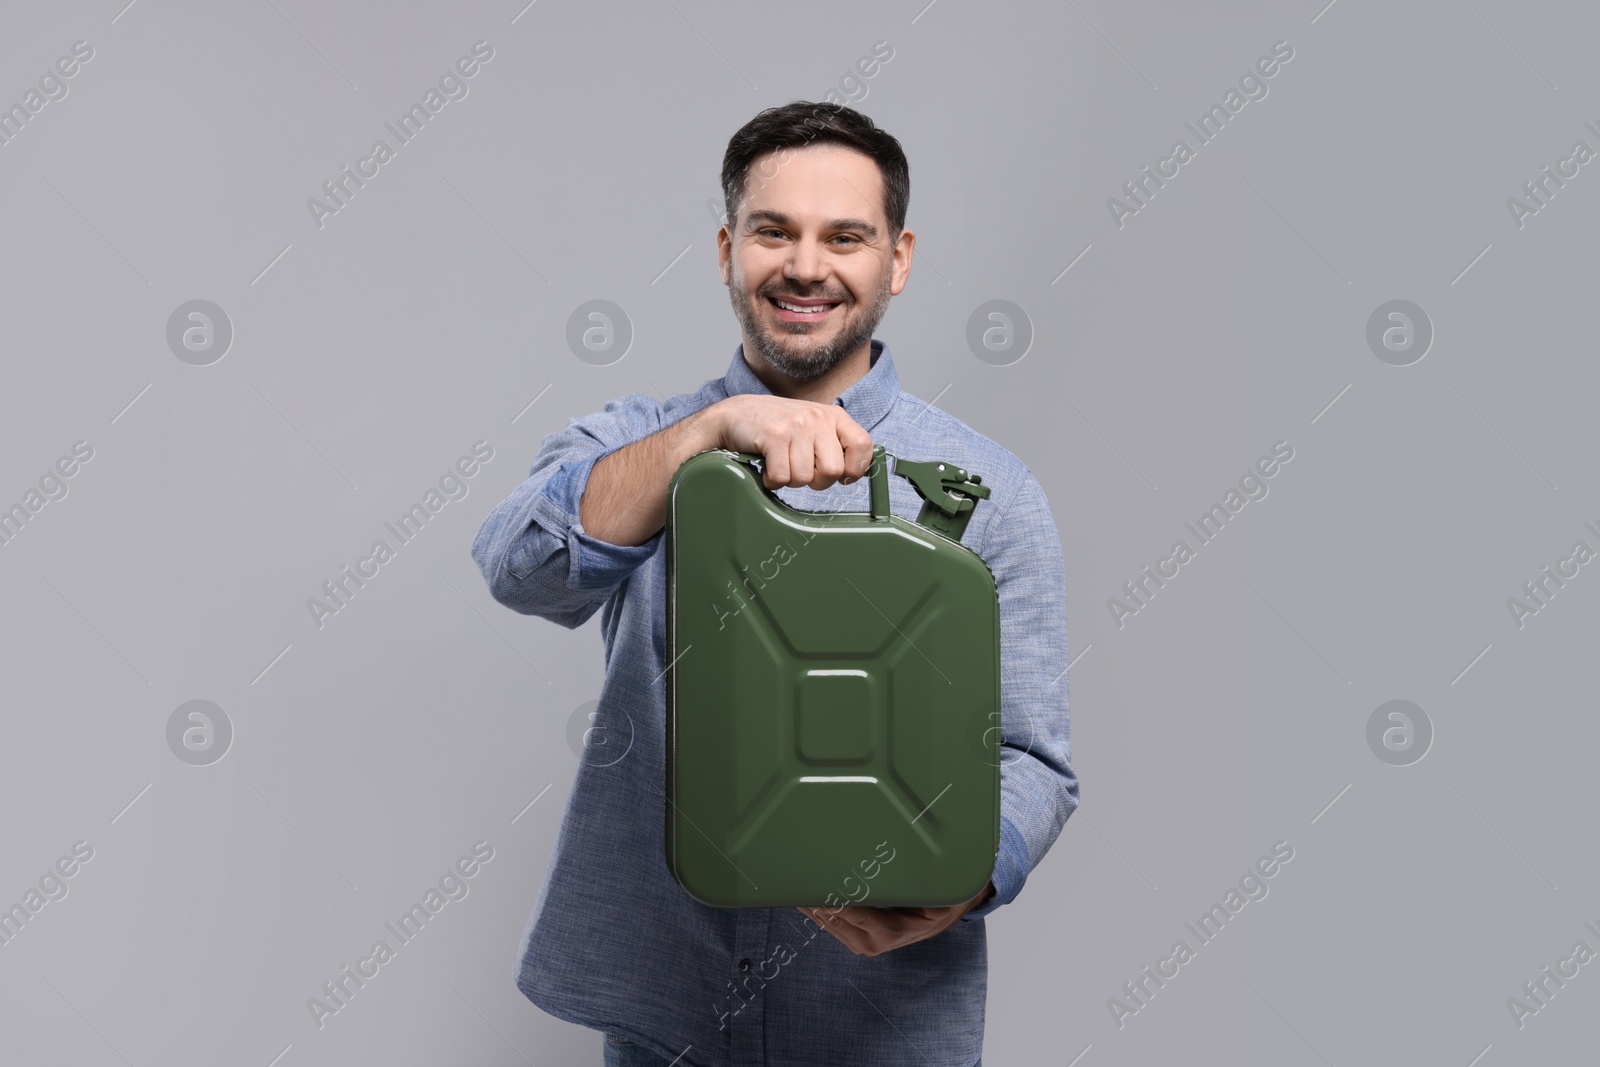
(762, 216)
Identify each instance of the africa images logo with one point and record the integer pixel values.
(453, 486)
(341, 189)
(1252, 484)
(453, 886)
(1252, 886)
(1253, 86)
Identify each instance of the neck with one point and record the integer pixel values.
(823, 390)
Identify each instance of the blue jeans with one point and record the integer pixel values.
(620, 1052)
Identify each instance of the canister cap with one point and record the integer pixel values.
(948, 492)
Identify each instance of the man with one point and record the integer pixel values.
(814, 246)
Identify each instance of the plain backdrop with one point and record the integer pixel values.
(1169, 350)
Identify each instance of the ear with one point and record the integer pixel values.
(725, 254)
(902, 261)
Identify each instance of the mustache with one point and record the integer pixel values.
(836, 298)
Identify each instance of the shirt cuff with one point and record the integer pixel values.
(1010, 871)
(595, 563)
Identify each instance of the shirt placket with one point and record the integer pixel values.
(749, 952)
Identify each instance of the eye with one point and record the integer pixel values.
(846, 237)
(769, 230)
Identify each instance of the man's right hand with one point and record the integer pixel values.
(802, 443)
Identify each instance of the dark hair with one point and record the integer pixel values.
(804, 123)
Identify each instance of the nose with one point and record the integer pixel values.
(806, 264)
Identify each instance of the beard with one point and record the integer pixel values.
(801, 361)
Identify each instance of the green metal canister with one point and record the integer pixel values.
(832, 692)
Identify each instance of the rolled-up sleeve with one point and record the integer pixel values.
(1038, 789)
(532, 549)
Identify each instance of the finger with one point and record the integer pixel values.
(775, 465)
(854, 914)
(843, 931)
(872, 922)
(830, 460)
(857, 445)
(875, 929)
(802, 462)
(828, 915)
(902, 926)
(853, 924)
(904, 921)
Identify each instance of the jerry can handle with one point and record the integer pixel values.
(878, 482)
(948, 492)
(877, 475)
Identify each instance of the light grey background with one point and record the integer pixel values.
(368, 355)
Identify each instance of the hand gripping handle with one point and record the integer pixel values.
(949, 493)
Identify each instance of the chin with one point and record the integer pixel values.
(804, 367)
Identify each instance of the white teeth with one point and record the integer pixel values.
(814, 310)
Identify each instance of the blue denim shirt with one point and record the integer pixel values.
(614, 942)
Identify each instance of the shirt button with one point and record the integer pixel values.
(744, 964)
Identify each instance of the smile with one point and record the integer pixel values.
(793, 311)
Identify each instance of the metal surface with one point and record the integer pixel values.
(833, 694)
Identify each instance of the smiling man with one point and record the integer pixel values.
(814, 247)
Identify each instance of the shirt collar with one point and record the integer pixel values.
(867, 400)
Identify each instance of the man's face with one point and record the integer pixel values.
(812, 233)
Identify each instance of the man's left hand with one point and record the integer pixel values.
(869, 931)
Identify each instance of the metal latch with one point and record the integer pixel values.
(949, 493)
